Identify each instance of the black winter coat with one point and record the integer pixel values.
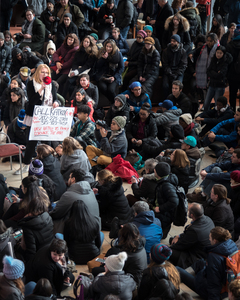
(63, 31)
(235, 201)
(194, 20)
(148, 64)
(52, 168)
(45, 19)
(105, 11)
(221, 214)
(121, 44)
(3, 192)
(113, 112)
(166, 199)
(16, 134)
(182, 175)
(113, 203)
(124, 13)
(150, 128)
(5, 58)
(92, 92)
(146, 188)
(217, 70)
(133, 55)
(233, 48)
(83, 61)
(37, 233)
(162, 16)
(182, 102)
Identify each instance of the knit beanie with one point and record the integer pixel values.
(235, 175)
(149, 40)
(134, 84)
(116, 262)
(163, 169)
(36, 167)
(20, 118)
(148, 27)
(187, 118)
(51, 1)
(95, 36)
(160, 253)
(12, 268)
(177, 131)
(2, 36)
(68, 15)
(121, 121)
(176, 37)
(237, 32)
(142, 33)
(121, 98)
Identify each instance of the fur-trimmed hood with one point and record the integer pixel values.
(184, 22)
(150, 176)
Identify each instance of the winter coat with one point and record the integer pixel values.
(121, 44)
(224, 39)
(227, 167)
(79, 160)
(113, 203)
(3, 191)
(5, 237)
(194, 20)
(63, 31)
(182, 175)
(233, 8)
(210, 280)
(192, 242)
(86, 8)
(235, 203)
(233, 48)
(45, 19)
(5, 58)
(163, 13)
(92, 92)
(124, 13)
(7, 5)
(83, 60)
(183, 32)
(113, 65)
(9, 290)
(28, 59)
(38, 37)
(150, 128)
(114, 112)
(150, 228)
(52, 168)
(212, 117)
(105, 11)
(67, 54)
(182, 102)
(37, 233)
(167, 199)
(12, 110)
(117, 283)
(174, 61)
(42, 266)
(35, 98)
(221, 214)
(217, 70)
(118, 145)
(148, 64)
(77, 16)
(81, 252)
(146, 187)
(133, 55)
(16, 134)
(137, 102)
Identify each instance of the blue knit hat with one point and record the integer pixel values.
(176, 37)
(134, 84)
(20, 119)
(148, 27)
(160, 253)
(12, 268)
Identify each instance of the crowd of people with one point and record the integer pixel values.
(73, 54)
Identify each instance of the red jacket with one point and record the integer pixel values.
(65, 55)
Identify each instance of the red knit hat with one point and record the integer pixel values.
(235, 175)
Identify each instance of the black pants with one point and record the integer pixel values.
(108, 89)
(126, 81)
(61, 80)
(233, 89)
(30, 149)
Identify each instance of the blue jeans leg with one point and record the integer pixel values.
(187, 278)
(124, 32)
(208, 99)
(29, 287)
(208, 184)
(101, 237)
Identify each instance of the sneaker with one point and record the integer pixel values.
(24, 170)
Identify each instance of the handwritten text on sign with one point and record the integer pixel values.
(51, 124)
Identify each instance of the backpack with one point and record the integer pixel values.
(232, 269)
(237, 64)
(82, 284)
(180, 217)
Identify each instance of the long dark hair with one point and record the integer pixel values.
(84, 226)
(19, 92)
(129, 237)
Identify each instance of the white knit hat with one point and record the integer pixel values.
(116, 262)
(187, 118)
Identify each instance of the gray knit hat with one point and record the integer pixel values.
(122, 98)
(2, 36)
(12, 268)
(121, 121)
(68, 15)
(116, 262)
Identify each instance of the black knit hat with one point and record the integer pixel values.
(177, 131)
(51, 1)
(162, 169)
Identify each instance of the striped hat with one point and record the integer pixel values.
(160, 253)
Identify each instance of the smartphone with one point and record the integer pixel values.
(100, 260)
(17, 234)
(9, 197)
(95, 158)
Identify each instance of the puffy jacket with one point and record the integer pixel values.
(117, 283)
(9, 290)
(63, 31)
(105, 11)
(148, 64)
(209, 281)
(146, 187)
(183, 32)
(194, 20)
(162, 15)
(16, 134)
(150, 128)
(37, 233)
(137, 102)
(12, 109)
(124, 13)
(118, 145)
(213, 117)
(37, 297)
(121, 44)
(221, 214)
(133, 55)
(182, 175)
(5, 58)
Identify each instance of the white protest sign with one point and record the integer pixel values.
(51, 124)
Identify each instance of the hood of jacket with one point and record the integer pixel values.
(225, 248)
(48, 162)
(150, 176)
(193, 153)
(172, 178)
(81, 187)
(184, 22)
(145, 217)
(189, 12)
(36, 223)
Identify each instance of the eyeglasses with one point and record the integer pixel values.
(136, 90)
(140, 37)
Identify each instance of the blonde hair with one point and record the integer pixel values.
(19, 284)
(69, 145)
(36, 75)
(107, 176)
(180, 159)
(234, 288)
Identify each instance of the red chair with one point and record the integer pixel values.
(11, 149)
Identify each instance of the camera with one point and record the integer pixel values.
(135, 142)
(101, 123)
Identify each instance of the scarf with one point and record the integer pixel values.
(27, 28)
(115, 134)
(86, 87)
(188, 129)
(202, 64)
(46, 94)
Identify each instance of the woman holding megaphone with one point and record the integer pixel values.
(40, 91)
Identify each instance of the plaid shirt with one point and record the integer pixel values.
(86, 132)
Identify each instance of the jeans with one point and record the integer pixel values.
(101, 237)
(221, 131)
(212, 92)
(187, 278)
(124, 32)
(6, 17)
(207, 184)
(203, 17)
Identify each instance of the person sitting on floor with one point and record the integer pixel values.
(119, 108)
(189, 127)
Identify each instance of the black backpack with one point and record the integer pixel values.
(180, 217)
